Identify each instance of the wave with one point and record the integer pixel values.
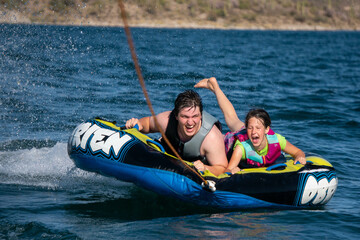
(51, 168)
(32, 230)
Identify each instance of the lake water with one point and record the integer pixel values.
(52, 78)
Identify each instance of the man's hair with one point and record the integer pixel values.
(259, 114)
(187, 99)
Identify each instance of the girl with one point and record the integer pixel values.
(255, 143)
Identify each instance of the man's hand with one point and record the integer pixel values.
(199, 166)
(132, 122)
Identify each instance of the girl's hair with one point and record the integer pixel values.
(259, 114)
(186, 99)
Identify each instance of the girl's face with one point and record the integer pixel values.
(256, 132)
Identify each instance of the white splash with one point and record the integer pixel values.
(49, 167)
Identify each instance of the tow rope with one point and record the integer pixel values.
(207, 185)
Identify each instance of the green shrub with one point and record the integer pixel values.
(61, 6)
(13, 4)
(250, 17)
(244, 4)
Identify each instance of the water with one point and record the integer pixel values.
(52, 78)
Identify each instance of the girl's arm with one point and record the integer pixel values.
(296, 153)
(231, 118)
(235, 160)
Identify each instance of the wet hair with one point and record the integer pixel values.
(259, 114)
(186, 99)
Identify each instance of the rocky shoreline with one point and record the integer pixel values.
(176, 15)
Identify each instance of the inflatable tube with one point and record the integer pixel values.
(100, 146)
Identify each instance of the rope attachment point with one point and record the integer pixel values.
(209, 185)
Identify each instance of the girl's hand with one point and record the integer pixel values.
(300, 159)
(296, 153)
(235, 170)
(208, 83)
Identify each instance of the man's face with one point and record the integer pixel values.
(189, 122)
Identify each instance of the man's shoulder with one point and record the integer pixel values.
(214, 145)
(163, 118)
(165, 114)
(214, 136)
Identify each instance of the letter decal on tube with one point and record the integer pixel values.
(91, 139)
(309, 190)
(316, 188)
(104, 139)
(78, 133)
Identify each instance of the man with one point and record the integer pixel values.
(192, 132)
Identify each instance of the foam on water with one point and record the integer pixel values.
(48, 167)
